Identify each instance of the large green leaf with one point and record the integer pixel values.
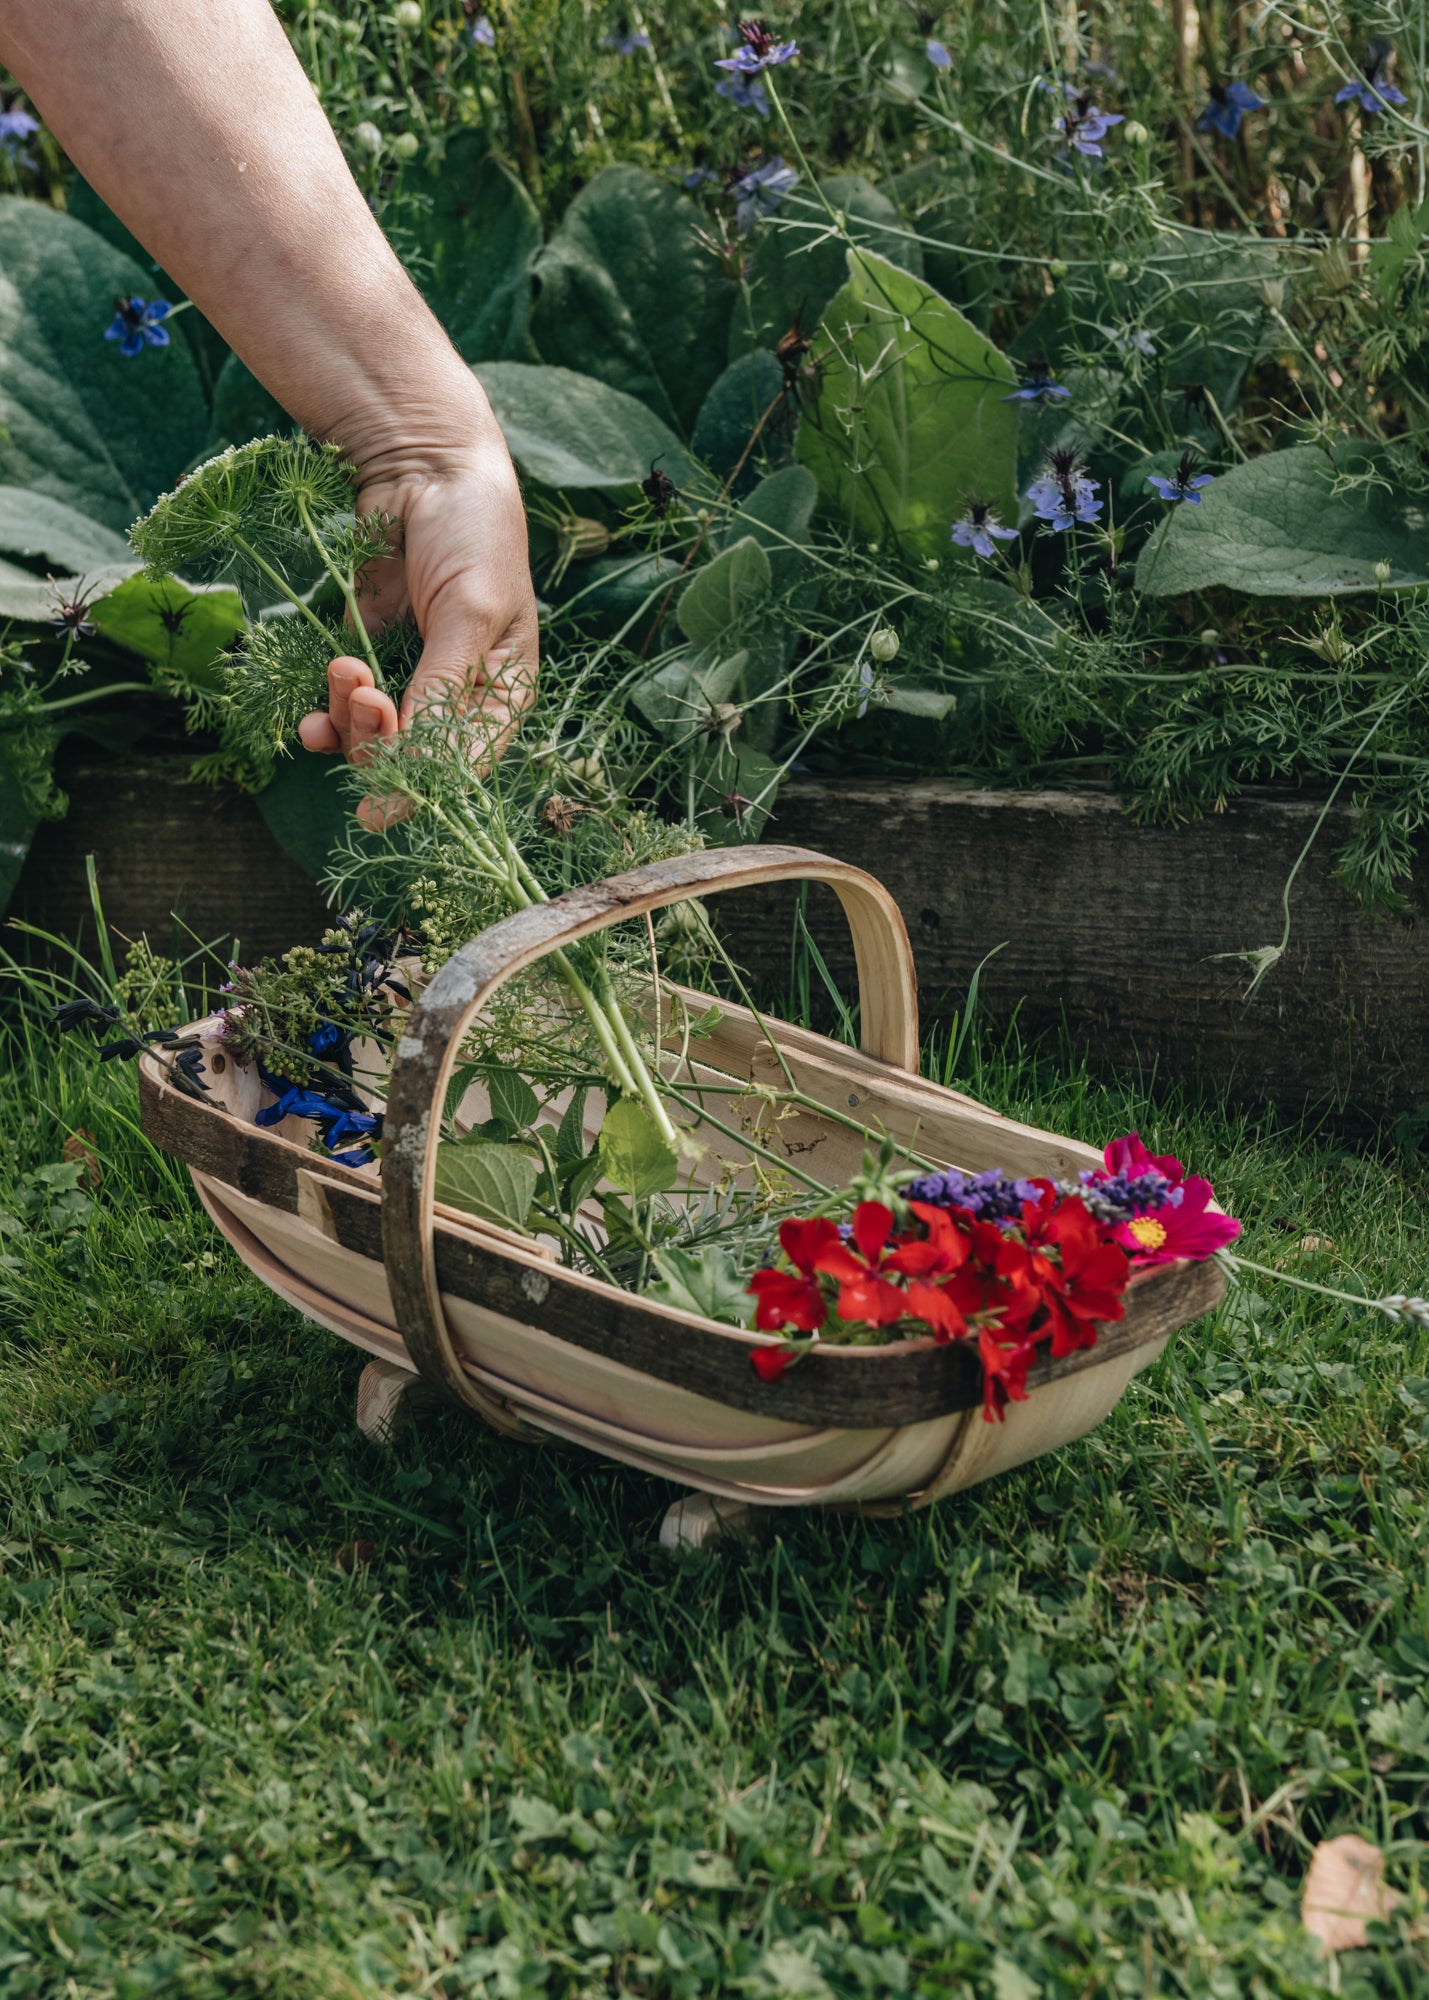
(46, 530)
(243, 409)
(626, 291)
(777, 515)
(82, 423)
(723, 596)
(180, 627)
(1297, 523)
(32, 600)
(634, 1156)
(746, 400)
(488, 1179)
(569, 430)
(705, 1281)
(207, 345)
(477, 236)
(307, 809)
(910, 422)
(678, 698)
(798, 264)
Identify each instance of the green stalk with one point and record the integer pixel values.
(79, 700)
(797, 150)
(349, 593)
(246, 549)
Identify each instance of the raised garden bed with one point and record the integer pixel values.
(1112, 930)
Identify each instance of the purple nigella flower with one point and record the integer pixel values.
(1037, 385)
(135, 324)
(760, 50)
(1375, 93)
(1185, 482)
(745, 93)
(759, 193)
(627, 44)
(480, 32)
(1086, 124)
(1064, 494)
(1229, 104)
(1131, 340)
(937, 55)
(978, 528)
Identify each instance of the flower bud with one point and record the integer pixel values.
(351, 31)
(408, 15)
(367, 136)
(581, 540)
(1117, 271)
(884, 644)
(1136, 134)
(1383, 571)
(1059, 270)
(1209, 637)
(1271, 292)
(405, 146)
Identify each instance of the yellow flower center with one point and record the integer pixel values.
(1149, 1233)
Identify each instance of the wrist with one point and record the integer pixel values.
(432, 422)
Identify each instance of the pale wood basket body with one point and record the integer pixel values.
(488, 1319)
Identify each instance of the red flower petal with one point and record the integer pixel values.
(931, 1303)
(769, 1363)
(801, 1242)
(871, 1225)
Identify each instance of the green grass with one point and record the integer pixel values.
(1071, 1734)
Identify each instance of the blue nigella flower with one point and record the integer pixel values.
(760, 51)
(1085, 124)
(480, 32)
(136, 325)
(1229, 104)
(1037, 385)
(627, 44)
(339, 1115)
(15, 128)
(978, 528)
(699, 177)
(937, 55)
(759, 193)
(1131, 340)
(745, 93)
(1185, 482)
(1064, 494)
(1372, 90)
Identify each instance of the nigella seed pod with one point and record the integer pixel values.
(582, 540)
(367, 137)
(408, 15)
(884, 644)
(405, 146)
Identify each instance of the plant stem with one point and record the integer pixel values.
(345, 584)
(79, 700)
(246, 549)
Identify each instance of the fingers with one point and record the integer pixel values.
(467, 666)
(371, 718)
(344, 677)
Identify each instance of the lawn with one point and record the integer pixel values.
(288, 1716)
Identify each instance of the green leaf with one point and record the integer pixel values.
(243, 409)
(512, 1098)
(570, 1137)
(778, 514)
(478, 234)
(17, 827)
(82, 423)
(307, 809)
(618, 586)
(181, 627)
(726, 593)
(735, 771)
(910, 422)
(677, 700)
(569, 430)
(31, 599)
(634, 1155)
(627, 292)
(925, 703)
(1277, 527)
(47, 530)
(731, 414)
(701, 1281)
(495, 1182)
(794, 272)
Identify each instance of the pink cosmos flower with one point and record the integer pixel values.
(1128, 1156)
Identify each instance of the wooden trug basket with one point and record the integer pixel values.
(489, 1320)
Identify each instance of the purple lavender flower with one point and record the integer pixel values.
(979, 527)
(136, 325)
(1085, 124)
(745, 93)
(1119, 1197)
(1228, 106)
(1184, 483)
(626, 43)
(937, 55)
(990, 1196)
(760, 192)
(1064, 494)
(761, 50)
(1037, 385)
(15, 128)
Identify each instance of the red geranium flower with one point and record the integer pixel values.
(787, 1300)
(1192, 1228)
(1088, 1285)
(1004, 1374)
(864, 1293)
(946, 1247)
(932, 1304)
(770, 1362)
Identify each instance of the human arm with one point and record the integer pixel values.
(194, 121)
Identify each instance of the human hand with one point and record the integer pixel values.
(461, 572)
